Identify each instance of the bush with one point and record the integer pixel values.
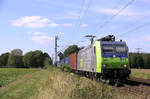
(65, 68)
(47, 63)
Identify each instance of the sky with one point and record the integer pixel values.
(33, 24)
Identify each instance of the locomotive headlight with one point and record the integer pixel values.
(124, 65)
(104, 65)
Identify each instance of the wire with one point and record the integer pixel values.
(80, 12)
(84, 14)
(112, 17)
(136, 28)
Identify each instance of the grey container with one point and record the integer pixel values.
(87, 59)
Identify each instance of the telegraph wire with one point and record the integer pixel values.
(112, 17)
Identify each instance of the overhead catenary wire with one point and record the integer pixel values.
(112, 17)
(79, 19)
(85, 12)
(82, 15)
(80, 12)
(134, 29)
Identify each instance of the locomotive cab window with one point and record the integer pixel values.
(107, 48)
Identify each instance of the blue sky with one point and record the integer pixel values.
(33, 24)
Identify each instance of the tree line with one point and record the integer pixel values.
(32, 59)
(139, 60)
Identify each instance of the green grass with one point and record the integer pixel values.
(52, 83)
(23, 83)
(140, 73)
(8, 75)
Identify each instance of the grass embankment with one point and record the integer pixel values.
(52, 83)
(140, 73)
(63, 85)
(20, 83)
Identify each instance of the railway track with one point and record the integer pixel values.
(135, 86)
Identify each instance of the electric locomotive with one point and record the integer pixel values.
(105, 58)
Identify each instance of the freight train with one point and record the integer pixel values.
(105, 58)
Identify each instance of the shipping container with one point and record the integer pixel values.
(86, 59)
(67, 60)
(62, 61)
(73, 60)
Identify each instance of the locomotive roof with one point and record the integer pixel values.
(116, 42)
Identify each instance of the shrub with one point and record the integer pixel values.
(65, 68)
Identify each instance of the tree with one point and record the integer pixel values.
(4, 59)
(45, 55)
(38, 58)
(133, 58)
(47, 61)
(140, 61)
(15, 58)
(28, 59)
(35, 58)
(17, 52)
(147, 62)
(71, 49)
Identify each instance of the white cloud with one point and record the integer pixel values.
(84, 25)
(53, 25)
(37, 22)
(42, 39)
(31, 22)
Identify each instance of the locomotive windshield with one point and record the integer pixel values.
(114, 48)
(121, 49)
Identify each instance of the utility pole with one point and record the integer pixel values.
(52, 58)
(56, 39)
(138, 50)
(91, 38)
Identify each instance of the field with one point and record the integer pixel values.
(20, 83)
(141, 73)
(52, 83)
